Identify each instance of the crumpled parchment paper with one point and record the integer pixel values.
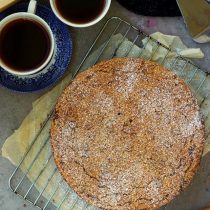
(39, 165)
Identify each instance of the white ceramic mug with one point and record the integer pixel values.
(30, 14)
(81, 25)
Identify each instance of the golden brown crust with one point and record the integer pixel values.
(127, 134)
(207, 208)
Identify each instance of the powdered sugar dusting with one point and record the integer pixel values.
(120, 183)
(129, 67)
(189, 128)
(161, 106)
(72, 124)
(126, 85)
(104, 102)
(128, 136)
(153, 190)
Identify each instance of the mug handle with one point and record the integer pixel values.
(32, 6)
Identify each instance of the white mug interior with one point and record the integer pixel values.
(29, 16)
(81, 25)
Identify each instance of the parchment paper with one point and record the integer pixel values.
(18, 143)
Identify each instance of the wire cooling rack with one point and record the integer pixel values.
(19, 182)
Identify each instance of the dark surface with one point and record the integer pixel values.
(15, 106)
(152, 7)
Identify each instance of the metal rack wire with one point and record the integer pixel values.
(19, 182)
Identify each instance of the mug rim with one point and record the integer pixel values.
(81, 25)
(34, 17)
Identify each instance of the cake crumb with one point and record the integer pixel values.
(133, 141)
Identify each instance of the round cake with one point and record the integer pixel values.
(127, 135)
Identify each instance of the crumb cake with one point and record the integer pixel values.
(127, 135)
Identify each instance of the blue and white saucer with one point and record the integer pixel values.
(60, 60)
